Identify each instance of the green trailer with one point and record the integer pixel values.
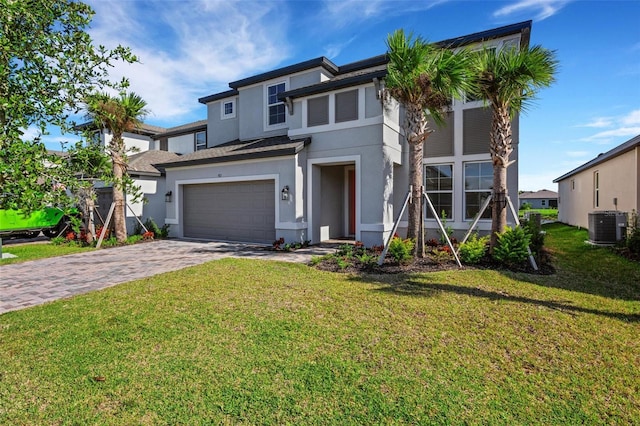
(14, 223)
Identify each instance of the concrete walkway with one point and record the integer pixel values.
(27, 284)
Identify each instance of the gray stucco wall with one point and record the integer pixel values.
(219, 130)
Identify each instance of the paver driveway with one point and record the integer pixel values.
(39, 281)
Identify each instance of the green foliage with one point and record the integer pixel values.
(48, 64)
(448, 229)
(525, 206)
(401, 250)
(151, 225)
(132, 239)
(633, 236)
(536, 235)
(511, 248)
(473, 250)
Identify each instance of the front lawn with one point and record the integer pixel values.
(246, 341)
(39, 250)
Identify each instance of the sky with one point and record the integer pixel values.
(191, 49)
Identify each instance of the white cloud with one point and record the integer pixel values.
(616, 133)
(599, 122)
(631, 119)
(187, 51)
(543, 8)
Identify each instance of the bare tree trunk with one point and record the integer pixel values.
(500, 148)
(416, 132)
(119, 169)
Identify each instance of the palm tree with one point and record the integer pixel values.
(508, 80)
(423, 78)
(118, 115)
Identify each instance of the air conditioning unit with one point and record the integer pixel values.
(607, 227)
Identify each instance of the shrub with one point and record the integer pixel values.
(633, 237)
(536, 235)
(473, 250)
(401, 250)
(512, 245)
(525, 206)
(153, 227)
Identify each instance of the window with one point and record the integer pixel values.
(543, 202)
(439, 188)
(478, 181)
(228, 109)
(318, 111)
(596, 189)
(573, 184)
(347, 106)
(201, 140)
(275, 107)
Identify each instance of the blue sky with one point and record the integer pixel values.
(190, 49)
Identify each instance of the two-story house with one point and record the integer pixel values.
(312, 152)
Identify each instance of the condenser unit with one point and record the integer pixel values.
(607, 227)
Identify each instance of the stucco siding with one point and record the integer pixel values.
(618, 178)
(221, 130)
(183, 144)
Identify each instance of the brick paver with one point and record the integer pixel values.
(39, 281)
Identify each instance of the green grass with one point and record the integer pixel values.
(40, 250)
(245, 341)
(547, 214)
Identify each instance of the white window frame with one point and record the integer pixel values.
(223, 104)
(464, 180)
(440, 191)
(197, 147)
(266, 86)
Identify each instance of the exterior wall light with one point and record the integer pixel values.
(167, 196)
(285, 193)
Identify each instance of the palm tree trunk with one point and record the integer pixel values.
(415, 134)
(500, 149)
(119, 168)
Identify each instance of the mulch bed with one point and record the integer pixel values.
(429, 264)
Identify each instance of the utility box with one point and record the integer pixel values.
(607, 227)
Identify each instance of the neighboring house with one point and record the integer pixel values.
(183, 139)
(543, 199)
(610, 181)
(310, 152)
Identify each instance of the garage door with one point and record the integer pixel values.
(232, 211)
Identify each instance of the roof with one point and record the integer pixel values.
(142, 162)
(218, 96)
(350, 70)
(182, 129)
(535, 195)
(302, 66)
(237, 150)
(619, 150)
(143, 129)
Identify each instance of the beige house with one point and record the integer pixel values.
(609, 182)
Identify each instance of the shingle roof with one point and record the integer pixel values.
(543, 193)
(369, 64)
(182, 129)
(240, 150)
(620, 149)
(142, 162)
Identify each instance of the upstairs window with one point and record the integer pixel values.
(276, 108)
(201, 140)
(347, 106)
(228, 109)
(318, 111)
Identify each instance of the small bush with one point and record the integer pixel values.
(633, 237)
(536, 235)
(153, 227)
(511, 248)
(401, 250)
(58, 241)
(473, 250)
(525, 206)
